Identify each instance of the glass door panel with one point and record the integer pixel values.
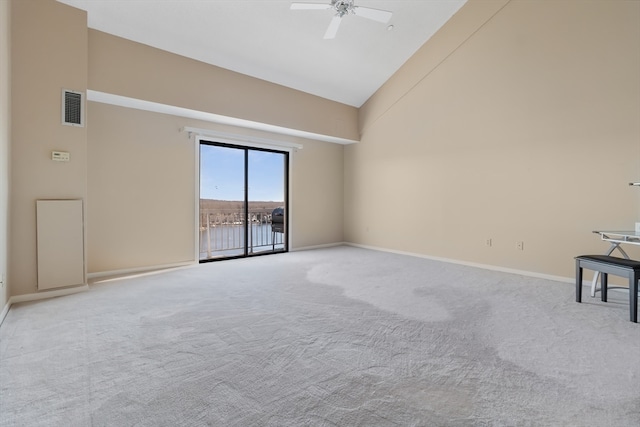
(266, 201)
(222, 201)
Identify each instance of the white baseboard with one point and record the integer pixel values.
(48, 294)
(309, 248)
(474, 264)
(139, 270)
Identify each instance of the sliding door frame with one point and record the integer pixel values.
(284, 148)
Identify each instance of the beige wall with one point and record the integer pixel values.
(122, 67)
(5, 138)
(142, 183)
(49, 53)
(140, 190)
(518, 121)
(317, 201)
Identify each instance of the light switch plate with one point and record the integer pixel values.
(637, 227)
(60, 156)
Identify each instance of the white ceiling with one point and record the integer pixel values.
(267, 40)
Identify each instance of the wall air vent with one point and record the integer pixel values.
(72, 108)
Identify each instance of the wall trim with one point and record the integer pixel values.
(48, 294)
(309, 248)
(139, 104)
(140, 270)
(246, 141)
(474, 264)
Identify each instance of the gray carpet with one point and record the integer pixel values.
(333, 337)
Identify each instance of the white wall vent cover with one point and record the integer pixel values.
(72, 108)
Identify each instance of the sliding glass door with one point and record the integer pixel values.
(243, 201)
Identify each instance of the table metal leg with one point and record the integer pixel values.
(633, 297)
(613, 247)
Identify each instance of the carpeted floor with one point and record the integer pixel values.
(333, 337)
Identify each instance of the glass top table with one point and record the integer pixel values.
(618, 237)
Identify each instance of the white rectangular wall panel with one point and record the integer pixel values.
(60, 234)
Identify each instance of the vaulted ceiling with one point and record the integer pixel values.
(268, 40)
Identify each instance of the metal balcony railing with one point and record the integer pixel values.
(222, 233)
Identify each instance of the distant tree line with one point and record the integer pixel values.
(217, 212)
(228, 205)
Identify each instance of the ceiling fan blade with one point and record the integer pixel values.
(310, 6)
(333, 27)
(374, 14)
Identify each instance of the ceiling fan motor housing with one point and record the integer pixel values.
(343, 7)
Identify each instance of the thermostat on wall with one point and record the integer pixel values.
(60, 156)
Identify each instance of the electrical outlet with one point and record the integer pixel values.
(2, 280)
(637, 227)
(520, 246)
(488, 242)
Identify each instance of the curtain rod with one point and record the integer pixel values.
(252, 140)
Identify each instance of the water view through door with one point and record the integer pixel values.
(243, 201)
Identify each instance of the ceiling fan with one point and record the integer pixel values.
(342, 8)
